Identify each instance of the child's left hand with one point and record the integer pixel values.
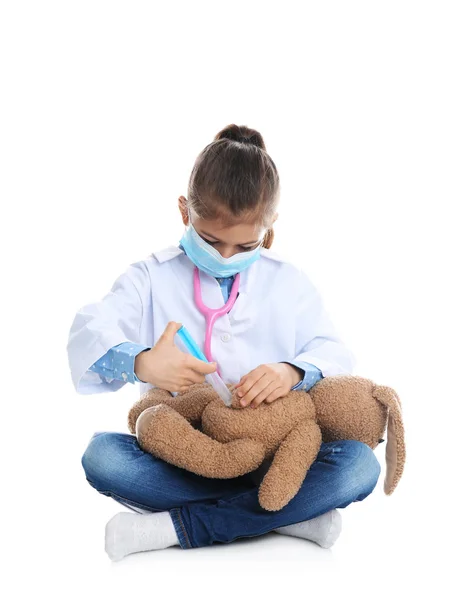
(267, 383)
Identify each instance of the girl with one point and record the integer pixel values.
(276, 337)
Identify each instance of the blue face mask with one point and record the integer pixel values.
(209, 260)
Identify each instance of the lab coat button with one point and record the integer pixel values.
(226, 337)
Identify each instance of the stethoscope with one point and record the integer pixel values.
(212, 314)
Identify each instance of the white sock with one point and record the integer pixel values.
(324, 530)
(127, 533)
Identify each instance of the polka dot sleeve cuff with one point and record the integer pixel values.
(311, 377)
(118, 363)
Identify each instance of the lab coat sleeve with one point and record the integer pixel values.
(100, 326)
(317, 340)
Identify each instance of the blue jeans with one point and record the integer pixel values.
(206, 510)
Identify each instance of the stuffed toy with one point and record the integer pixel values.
(196, 431)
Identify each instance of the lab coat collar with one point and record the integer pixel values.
(244, 311)
(167, 253)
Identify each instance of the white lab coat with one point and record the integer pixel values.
(278, 316)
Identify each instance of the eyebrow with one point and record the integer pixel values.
(214, 238)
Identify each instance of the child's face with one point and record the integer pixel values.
(228, 239)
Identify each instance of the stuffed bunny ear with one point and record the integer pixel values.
(395, 452)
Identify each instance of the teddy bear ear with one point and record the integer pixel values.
(395, 452)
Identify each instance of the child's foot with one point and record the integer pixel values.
(323, 530)
(127, 533)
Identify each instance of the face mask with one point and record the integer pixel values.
(209, 260)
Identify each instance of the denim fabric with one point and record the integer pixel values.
(206, 511)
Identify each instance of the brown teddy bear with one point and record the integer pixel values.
(197, 432)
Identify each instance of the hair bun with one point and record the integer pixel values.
(242, 134)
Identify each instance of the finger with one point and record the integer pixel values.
(263, 396)
(275, 395)
(170, 331)
(259, 386)
(189, 376)
(195, 377)
(251, 378)
(246, 386)
(186, 380)
(180, 384)
(201, 366)
(241, 382)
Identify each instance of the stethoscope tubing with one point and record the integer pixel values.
(212, 314)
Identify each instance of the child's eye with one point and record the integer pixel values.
(243, 248)
(208, 241)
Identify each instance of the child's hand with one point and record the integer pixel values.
(267, 383)
(165, 366)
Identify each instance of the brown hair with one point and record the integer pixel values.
(234, 178)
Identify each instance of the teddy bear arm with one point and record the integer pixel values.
(191, 404)
(290, 464)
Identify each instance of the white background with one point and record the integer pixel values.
(364, 107)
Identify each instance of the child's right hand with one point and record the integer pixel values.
(167, 367)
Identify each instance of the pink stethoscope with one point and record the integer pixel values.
(212, 314)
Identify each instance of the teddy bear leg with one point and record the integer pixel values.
(290, 464)
(166, 434)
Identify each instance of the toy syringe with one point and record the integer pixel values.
(213, 379)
